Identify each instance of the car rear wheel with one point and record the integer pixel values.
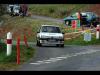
(60, 45)
(57, 45)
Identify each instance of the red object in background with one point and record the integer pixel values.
(25, 40)
(74, 22)
(79, 16)
(18, 50)
(98, 28)
(24, 7)
(0, 46)
(29, 33)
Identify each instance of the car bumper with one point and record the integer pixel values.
(51, 42)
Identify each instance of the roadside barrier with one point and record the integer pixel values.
(9, 43)
(25, 40)
(18, 50)
(98, 32)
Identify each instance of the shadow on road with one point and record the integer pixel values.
(46, 46)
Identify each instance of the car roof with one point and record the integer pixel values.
(50, 25)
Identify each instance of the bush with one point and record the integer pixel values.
(2, 46)
(51, 10)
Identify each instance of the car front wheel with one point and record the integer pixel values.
(38, 44)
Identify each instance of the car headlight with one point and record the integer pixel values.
(60, 37)
(43, 37)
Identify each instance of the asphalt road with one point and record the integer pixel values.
(47, 18)
(69, 58)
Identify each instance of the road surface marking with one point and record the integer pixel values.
(40, 61)
(35, 63)
(63, 57)
(47, 62)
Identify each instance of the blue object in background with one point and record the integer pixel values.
(87, 36)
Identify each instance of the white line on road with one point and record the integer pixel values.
(35, 63)
(61, 57)
(40, 61)
(47, 62)
(64, 57)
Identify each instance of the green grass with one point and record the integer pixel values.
(69, 29)
(57, 10)
(80, 41)
(9, 62)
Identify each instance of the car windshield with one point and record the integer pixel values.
(51, 29)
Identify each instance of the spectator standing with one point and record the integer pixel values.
(24, 9)
(12, 11)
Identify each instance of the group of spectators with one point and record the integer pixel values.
(83, 21)
(22, 10)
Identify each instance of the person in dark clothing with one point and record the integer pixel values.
(79, 16)
(24, 9)
(20, 11)
(12, 11)
(91, 26)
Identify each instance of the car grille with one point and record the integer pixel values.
(52, 39)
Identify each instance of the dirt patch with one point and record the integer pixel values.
(69, 36)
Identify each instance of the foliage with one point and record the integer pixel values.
(57, 10)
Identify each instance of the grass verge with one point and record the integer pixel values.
(9, 62)
(80, 41)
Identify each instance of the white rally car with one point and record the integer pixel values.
(50, 34)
